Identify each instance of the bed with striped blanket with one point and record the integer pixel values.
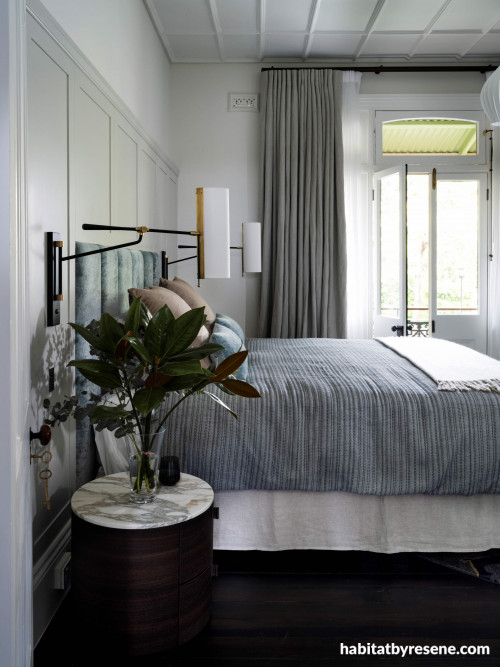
(341, 415)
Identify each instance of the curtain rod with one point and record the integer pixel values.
(404, 68)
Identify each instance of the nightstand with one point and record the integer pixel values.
(141, 574)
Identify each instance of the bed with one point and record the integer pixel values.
(350, 447)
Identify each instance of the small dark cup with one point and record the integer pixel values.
(169, 473)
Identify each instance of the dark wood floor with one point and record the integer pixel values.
(296, 608)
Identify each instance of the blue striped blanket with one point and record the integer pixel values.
(339, 415)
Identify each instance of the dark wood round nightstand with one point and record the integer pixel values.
(141, 574)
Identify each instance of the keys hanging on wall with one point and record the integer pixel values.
(44, 435)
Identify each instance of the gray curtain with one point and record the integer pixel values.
(303, 222)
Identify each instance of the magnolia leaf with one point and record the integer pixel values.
(229, 365)
(220, 402)
(110, 330)
(146, 400)
(194, 381)
(240, 388)
(122, 348)
(158, 331)
(199, 352)
(133, 318)
(156, 379)
(222, 388)
(140, 348)
(145, 317)
(92, 339)
(183, 332)
(98, 372)
(190, 367)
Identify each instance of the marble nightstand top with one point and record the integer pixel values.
(105, 501)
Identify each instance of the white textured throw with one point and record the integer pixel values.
(454, 367)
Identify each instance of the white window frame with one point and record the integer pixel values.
(434, 160)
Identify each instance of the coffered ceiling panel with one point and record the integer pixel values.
(403, 16)
(326, 45)
(195, 48)
(468, 14)
(283, 46)
(238, 16)
(330, 31)
(380, 45)
(340, 15)
(241, 47)
(445, 43)
(292, 17)
(185, 17)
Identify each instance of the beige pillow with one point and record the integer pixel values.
(191, 297)
(156, 297)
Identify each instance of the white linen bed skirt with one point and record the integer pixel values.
(279, 520)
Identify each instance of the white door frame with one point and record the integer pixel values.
(15, 519)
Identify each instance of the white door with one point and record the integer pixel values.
(390, 297)
(459, 259)
(445, 254)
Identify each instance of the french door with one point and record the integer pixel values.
(459, 256)
(436, 247)
(390, 298)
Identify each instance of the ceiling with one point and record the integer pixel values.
(453, 32)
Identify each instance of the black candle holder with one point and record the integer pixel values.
(169, 473)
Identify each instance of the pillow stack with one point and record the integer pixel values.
(193, 299)
(221, 329)
(156, 297)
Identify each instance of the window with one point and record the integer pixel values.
(429, 137)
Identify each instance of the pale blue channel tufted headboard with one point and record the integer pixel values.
(101, 286)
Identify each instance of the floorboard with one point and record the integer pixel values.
(296, 608)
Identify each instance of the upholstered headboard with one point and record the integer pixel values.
(102, 282)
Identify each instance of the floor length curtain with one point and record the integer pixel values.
(359, 254)
(303, 220)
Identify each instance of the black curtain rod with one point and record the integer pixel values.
(404, 68)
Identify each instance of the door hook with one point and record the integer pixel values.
(44, 435)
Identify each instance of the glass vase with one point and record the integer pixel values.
(144, 456)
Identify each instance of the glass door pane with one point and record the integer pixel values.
(460, 259)
(457, 234)
(390, 240)
(390, 246)
(418, 215)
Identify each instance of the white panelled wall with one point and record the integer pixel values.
(120, 41)
(89, 160)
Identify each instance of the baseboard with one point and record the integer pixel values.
(46, 598)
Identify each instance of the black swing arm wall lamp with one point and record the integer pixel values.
(55, 260)
(212, 246)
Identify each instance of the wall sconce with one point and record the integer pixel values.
(490, 97)
(212, 222)
(252, 253)
(251, 260)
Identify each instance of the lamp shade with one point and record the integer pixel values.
(212, 221)
(490, 97)
(252, 254)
